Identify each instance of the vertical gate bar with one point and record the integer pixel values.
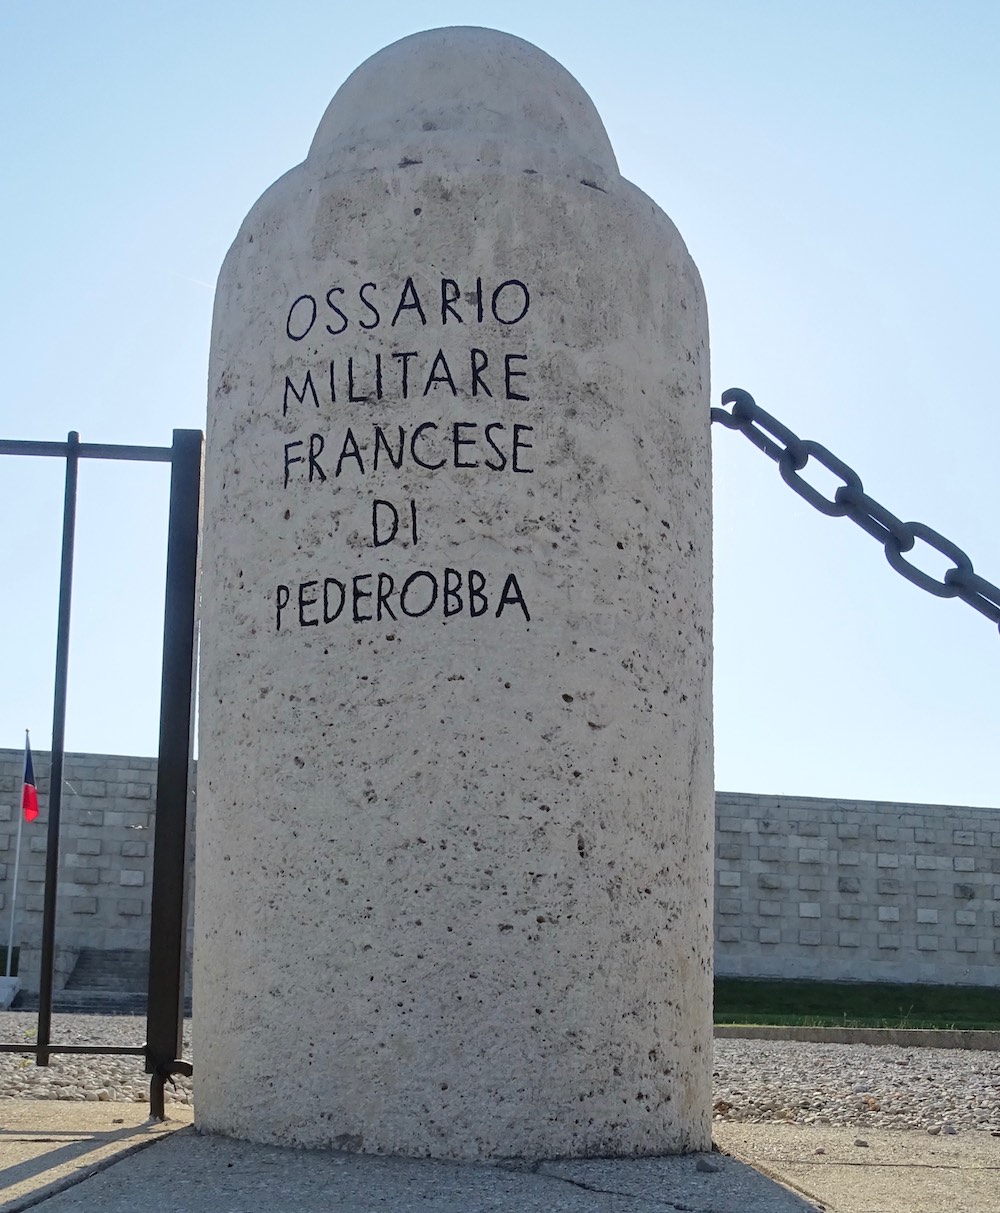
(58, 748)
(167, 928)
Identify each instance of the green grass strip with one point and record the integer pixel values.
(822, 1004)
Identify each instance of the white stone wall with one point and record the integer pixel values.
(106, 850)
(805, 887)
(856, 890)
(105, 857)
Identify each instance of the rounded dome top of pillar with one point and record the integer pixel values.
(461, 83)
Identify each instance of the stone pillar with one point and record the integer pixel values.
(455, 786)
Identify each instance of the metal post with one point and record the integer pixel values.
(58, 747)
(13, 887)
(167, 929)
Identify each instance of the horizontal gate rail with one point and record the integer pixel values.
(89, 450)
(96, 1050)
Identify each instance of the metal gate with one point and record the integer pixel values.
(168, 914)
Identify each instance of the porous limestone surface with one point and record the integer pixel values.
(455, 787)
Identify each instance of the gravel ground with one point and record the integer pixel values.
(863, 1086)
(121, 1079)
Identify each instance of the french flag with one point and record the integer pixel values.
(29, 797)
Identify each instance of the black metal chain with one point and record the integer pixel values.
(792, 453)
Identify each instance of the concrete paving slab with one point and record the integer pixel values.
(47, 1145)
(190, 1173)
(87, 1158)
(898, 1171)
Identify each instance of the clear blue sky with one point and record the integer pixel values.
(835, 170)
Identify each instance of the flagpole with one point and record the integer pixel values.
(13, 888)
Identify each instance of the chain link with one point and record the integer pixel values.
(792, 453)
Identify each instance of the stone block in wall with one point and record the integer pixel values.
(731, 825)
(38, 845)
(965, 892)
(886, 833)
(925, 836)
(6, 783)
(810, 938)
(6, 812)
(769, 909)
(132, 878)
(888, 942)
(808, 829)
(73, 860)
(769, 935)
(848, 830)
(965, 918)
(138, 791)
(926, 888)
(994, 838)
(848, 911)
(963, 838)
(134, 849)
(966, 945)
(771, 854)
(93, 787)
(30, 966)
(927, 915)
(729, 905)
(810, 855)
(90, 817)
(995, 866)
(996, 918)
(130, 908)
(766, 826)
(927, 862)
(729, 934)
(88, 846)
(927, 943)
(83, 905)
(849, 939)
(962, 863)
(729, 880)
(886, 859)
(888, 886)
(729, 850)
(34, 904)
(888, 914)
(809, 909)
(848, 884)
(996, 892)
(136, 821)
(86, 875)
(848, 859)
(35, 875)
(767, 880)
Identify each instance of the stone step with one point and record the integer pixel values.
(122, 971)
(77, 1002)
(117, 969)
